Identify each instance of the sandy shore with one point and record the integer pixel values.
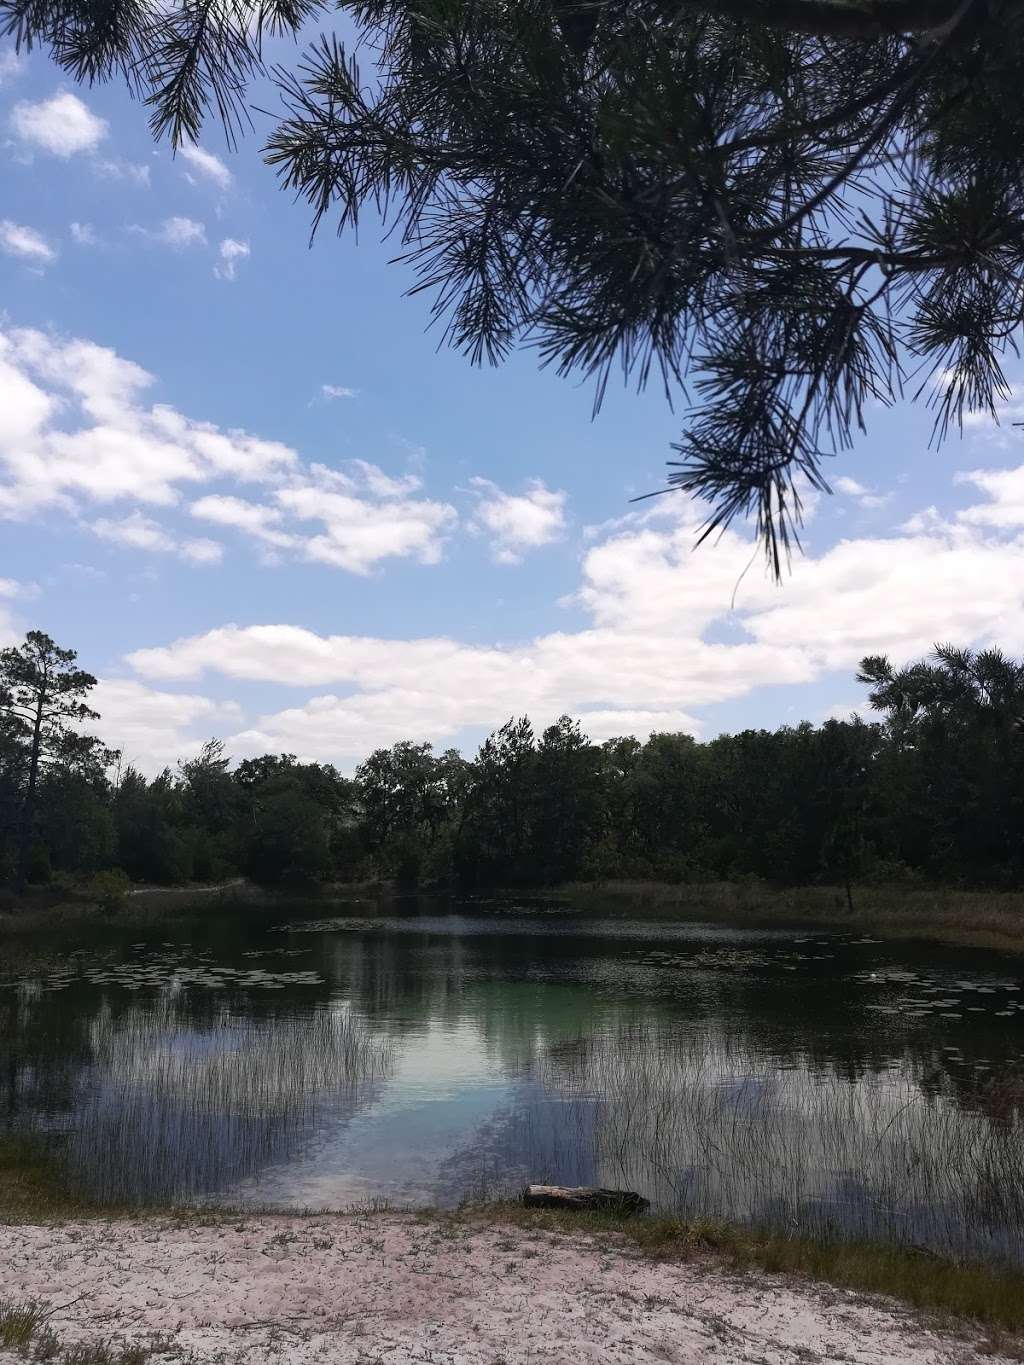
(388, 1289)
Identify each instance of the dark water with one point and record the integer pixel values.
(428, 1053)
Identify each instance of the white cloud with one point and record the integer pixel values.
(84, 234)
(248, 517)
(231, 253)
(866, 497)
(13, 587)
(182, 232)
(17, 240)
(11, 66)
(153, 729)
(12, 590)
(177, 233)
(645, 659)
(330, 392)
(138, 532)
(1005, 491)
(848, 710)
(850, 487)
(206, 164)
(366, 516)
(75, 429)
(61, 125)
(73, 426)
(136, 173)
(517, 522)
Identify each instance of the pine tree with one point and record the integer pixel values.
(792, 210)
(42, 699)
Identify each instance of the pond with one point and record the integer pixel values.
(421, 1052)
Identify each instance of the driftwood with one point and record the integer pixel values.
(584, 1198)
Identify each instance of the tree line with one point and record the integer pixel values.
(933, 788)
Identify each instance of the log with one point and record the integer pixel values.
(583, 1198)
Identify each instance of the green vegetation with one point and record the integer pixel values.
(33, 1185)
(795, 211)
(931, 794)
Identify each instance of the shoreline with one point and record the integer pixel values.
(948, 915)
(463, 1290)
(974, 1296)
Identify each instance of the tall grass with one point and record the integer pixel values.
(708, 1132)
(174, 1113)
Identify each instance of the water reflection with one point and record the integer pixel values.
(422, 1056)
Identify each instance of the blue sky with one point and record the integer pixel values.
(239, 477)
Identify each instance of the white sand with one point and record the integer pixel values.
(386, 1289)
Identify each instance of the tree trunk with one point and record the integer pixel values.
(583, 1198)
(28, 808)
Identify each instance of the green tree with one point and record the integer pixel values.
(299, 820)
(785, 205)
(210, 810)
(501, 800)
(570, 802)
(956, 759)
(42, 696)
(152, 842)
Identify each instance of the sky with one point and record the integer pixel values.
(238, 475)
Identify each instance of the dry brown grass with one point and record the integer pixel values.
(983, 919)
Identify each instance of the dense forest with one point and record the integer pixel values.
(933, 789)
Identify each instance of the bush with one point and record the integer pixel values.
(109, 889)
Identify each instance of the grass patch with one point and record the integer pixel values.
(24, 1328)
(19, 1323)
(33, 1185)
(990, 1296)
(979, 919)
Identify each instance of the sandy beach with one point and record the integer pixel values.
(387, 1289)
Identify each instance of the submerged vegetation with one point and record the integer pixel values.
(931, 793)
(707, 1131)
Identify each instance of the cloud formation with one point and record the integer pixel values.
(176, 232)
(646, 658)
(865, 497)
(11, 66)
(75, 432)
(135, 173)
(74, 427)
(61, 126)
(154, 729)
(515, 523)
(138, 532)
(205, 164)
(231, 253)
(25, 242)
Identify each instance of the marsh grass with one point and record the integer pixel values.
(179, 1113)
(982, 919)
(706, 1131)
